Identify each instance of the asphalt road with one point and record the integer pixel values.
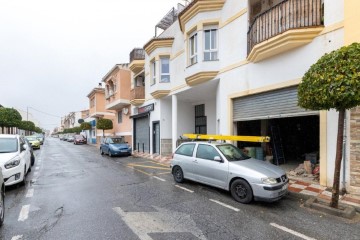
(73, 192)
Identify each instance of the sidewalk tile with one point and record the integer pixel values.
(314, 189)
(295, 185)
(309, 193)
(297, 190)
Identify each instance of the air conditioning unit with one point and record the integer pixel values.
(125, 111)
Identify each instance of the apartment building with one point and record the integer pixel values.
(117, 98)
(97, 110)
(232, 68)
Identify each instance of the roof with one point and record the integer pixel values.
(97, 89)
(117, 66)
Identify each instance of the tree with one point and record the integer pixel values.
(9, 117)
(85, 126)
(38, 130)
(27, 126)
(76, 130)
(333, 82)
(104, 124)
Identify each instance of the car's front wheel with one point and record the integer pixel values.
(101, 151)
(178, 174)
(2, 206)
(110, 154)
(241, 191)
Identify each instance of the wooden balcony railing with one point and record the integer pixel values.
(289, 14)
(137, 93)
(137, 54)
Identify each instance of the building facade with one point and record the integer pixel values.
(232, 68)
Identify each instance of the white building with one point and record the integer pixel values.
(232, 68)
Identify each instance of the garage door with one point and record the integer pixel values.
(275, 104)
(142, 137)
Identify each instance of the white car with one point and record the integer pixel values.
(15, 158)
(2, 197)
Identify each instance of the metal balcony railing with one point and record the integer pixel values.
(137, 54)
(288, 14)
(137, 93)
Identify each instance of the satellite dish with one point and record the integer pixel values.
(80, 120)
(125, 111)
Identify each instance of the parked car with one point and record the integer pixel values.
(35, 143)
(15, 159)
(79, 139)
(32, 158)
(225, 166)
(70, 139)
(40, 137)
(115, 146)
(2, 199)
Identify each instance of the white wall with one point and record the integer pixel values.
(165, 119)
(210, 113)
(186, 118)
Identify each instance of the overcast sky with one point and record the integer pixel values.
(54, 52)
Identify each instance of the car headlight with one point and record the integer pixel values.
(269, 180)
(15, 161)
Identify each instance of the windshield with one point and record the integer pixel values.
(8, 145)
(31, 138)
(116, 140)
(232, 153)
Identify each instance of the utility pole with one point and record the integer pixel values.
(27, 113)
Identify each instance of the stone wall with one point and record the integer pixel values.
(355, 150)
(166, 147)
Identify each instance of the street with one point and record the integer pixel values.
(73, 192)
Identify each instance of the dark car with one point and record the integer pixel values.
(79, 139)
(115, 146)
(32, 158)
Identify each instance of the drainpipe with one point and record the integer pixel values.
(343, 189)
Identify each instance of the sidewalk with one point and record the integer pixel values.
(295, 186)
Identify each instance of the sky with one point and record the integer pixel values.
(54, 52)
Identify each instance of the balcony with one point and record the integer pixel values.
(158, 43)
(196, 7)
(137, 95)
(285, 26)
(116, 104)
(160, 90)
(137, 60)
(201, 72)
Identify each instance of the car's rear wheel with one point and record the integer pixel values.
(178, 174)
(2, 206)
(241, 191)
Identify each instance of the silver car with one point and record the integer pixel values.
(225, 166)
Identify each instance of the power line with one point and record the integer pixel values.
(52, 115)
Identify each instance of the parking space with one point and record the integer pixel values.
(149, 167)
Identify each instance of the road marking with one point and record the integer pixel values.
(161, 220)
(184, 188)
(146, 166)
(37, 168)
(161, 179)
(163, 173)
(225, 205)
(140, 171)
(30, 193)
(18, 237)
(300, 235)
(24, 213)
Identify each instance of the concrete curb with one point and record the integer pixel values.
(348, 212)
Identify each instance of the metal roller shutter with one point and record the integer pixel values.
(275, 104)
(142, 137)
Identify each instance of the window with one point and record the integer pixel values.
(200, 119)
(206, 152)
(153, 72)
(186, 149)
(120, 117)
(211, 49)
(92, 102)
(193, 49)
(165, 70)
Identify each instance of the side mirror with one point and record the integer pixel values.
(217, 158)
